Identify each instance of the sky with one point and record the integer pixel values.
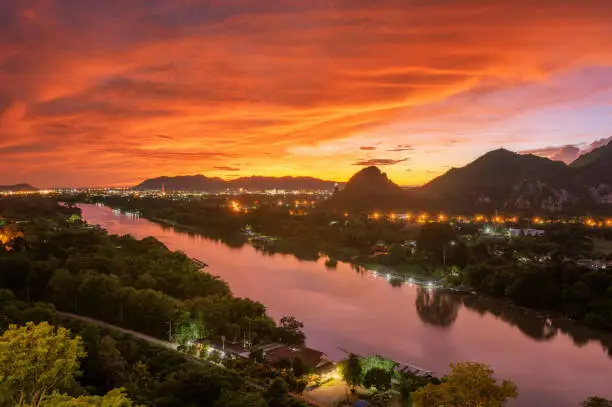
(108, 93)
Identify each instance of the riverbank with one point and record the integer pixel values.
(377, 269)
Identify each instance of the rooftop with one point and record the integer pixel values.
(311, 357)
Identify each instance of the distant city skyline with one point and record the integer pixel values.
(111, 93)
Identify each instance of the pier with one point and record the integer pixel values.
(199, 263)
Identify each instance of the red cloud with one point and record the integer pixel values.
(90, 84)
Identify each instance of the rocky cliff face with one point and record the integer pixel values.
(503, 180)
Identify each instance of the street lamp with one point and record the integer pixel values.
(452, 243)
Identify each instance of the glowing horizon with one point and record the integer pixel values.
(111, 93)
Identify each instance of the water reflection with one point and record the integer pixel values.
(437, 308)
(537, 328)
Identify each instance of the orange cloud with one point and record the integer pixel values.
(111, 92)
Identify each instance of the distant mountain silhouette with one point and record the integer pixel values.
(286, 183)
(371, 180)
(370, 188)
(499, 180)
(18, 187)
(183, 183)
(255, 183)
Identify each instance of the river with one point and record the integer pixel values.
(553, 363)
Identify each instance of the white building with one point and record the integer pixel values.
(526, 232)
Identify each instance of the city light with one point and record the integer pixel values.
(423, 218)
(235, 206)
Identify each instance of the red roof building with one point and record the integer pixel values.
(311, 358)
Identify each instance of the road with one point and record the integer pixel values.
(139, 335)
(171, 346)
(156, 341)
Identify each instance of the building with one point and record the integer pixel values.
(311, 358)
(380, 248)
(595, 264)
(526, 232)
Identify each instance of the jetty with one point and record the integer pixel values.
(199, 263)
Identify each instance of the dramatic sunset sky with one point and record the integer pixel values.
(108, 92)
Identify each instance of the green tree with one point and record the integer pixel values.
(434, 239)
(408, 383)
(377, 378)
(38, 312)
(113, 364)
(376, 361)
(114, 398)
(277, 394)
(62, 288)
(397, 253)
(188, 331)
(231, 399)
(37, 359)
(468, 384)
(197, 385)
(351, 371)
(73, 219)
(290, 331)
(140, 384)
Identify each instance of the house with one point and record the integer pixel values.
(311, 358)
(526, 232)
(225, 348)
(380, 248)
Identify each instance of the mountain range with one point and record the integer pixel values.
(215, 184)
(499, 180)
